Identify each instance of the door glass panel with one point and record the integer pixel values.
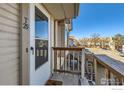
(41, 38)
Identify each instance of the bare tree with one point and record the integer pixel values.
(118, 40)
(95, 38)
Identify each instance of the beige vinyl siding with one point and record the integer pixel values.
(9, 44)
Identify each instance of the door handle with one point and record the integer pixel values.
(32, 49)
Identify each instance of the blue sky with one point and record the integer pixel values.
(105, 19)
(41, 29)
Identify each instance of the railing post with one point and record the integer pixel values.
(55, 59)
(107, 83)
(83, 64)
(73, 61)
(78, 60)
(122, 81)
(95, 70)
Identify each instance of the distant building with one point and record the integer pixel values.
(123, 48)
(105, 42)
(73, 42)
(112, 44)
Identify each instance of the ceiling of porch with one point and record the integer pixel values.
(62, 10)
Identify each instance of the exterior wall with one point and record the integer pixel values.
(12, 51)
(9, 44)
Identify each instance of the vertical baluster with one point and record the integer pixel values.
(117, 81)
(109, 77)
(112, 78)
(73, 60)
(95, 70)
(107, 83)
(68, 66)
(55, 59)
(78, 60)
(39, 51)
(60, 60)
(68, 61)
(43, 53)
(64, 61)
(83, 64)
(36, 52)
(91, 77)
(122, 80)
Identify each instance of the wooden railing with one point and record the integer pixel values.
(68, 60)
(102, 72)
(96, 70)
(114, 76)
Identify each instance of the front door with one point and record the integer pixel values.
(39, 44)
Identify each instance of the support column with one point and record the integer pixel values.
(56, 34)
(24, 44)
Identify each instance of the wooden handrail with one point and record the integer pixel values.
(108, 67)
(69, 48)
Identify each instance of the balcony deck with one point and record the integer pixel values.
(69, 79)
(67, 66)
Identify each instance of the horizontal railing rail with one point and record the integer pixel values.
(108, 75)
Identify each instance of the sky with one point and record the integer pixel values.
(104, 19)
(41, 29)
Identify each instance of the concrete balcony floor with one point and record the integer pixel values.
(69, 79)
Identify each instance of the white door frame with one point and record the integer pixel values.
(42, 74)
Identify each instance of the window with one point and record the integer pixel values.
(41, 38)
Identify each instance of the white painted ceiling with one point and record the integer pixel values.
(61, 10)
